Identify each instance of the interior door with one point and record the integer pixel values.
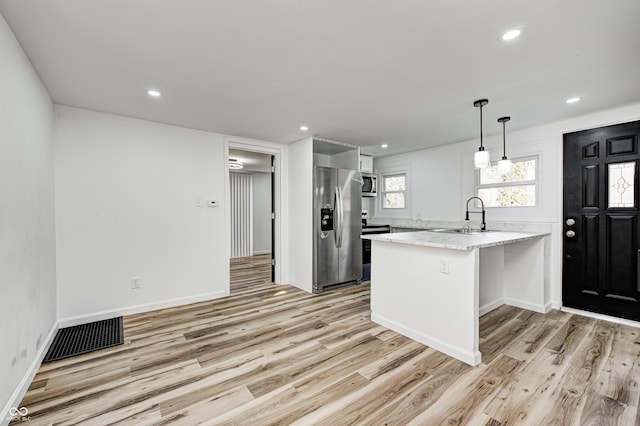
(601, 233)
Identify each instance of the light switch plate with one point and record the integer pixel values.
(444, 266)
(135, 283)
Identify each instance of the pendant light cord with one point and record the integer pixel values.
(481, 146)
(480, 103)
(503, 120)
(504, 143)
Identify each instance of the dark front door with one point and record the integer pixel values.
(601, 233)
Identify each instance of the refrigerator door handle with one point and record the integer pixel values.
(339, 214)
(336, 217)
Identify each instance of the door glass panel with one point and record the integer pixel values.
(621, 185)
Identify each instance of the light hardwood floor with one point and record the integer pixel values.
(247, 272)
(276, 355)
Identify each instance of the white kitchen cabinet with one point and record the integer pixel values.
(366, 163)
(334, 154)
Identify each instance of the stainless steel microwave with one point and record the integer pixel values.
(369, 185)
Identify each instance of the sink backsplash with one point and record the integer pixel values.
(475, 224)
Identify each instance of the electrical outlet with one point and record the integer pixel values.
(444, 266)
(135, 283)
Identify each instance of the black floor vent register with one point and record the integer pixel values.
(80, 339)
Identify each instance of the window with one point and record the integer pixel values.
(394, 192)
(394, 188)
(518, 188)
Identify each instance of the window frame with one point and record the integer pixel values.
(535, 182)
(394, 212)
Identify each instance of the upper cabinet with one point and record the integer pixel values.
(366, 163)
(327, 153)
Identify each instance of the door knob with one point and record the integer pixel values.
(570, 222)
(570, 234)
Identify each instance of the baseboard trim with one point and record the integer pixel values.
(137, 309)
(471, 358)
(257, 252)
(23, 386)
(488, 307)
(543, 309)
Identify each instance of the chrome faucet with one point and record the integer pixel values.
(483, 225)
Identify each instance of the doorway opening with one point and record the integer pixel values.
(252, 208)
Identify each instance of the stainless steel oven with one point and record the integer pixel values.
(366, 247)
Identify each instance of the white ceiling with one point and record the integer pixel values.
(364, 72)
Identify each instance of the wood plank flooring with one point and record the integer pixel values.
(247, 272)
(274, 355)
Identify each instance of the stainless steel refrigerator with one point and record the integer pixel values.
(337, 226)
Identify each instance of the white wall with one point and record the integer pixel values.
(443, 177)
(126, 195)
(300, 160)
(27, 235)
(261, 212)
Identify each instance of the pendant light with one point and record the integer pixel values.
(481, 157)
(504, 165)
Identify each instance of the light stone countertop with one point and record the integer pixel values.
(455, 241)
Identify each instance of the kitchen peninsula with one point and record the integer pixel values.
(433, 286)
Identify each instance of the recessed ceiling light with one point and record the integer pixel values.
(384, 145)
(154, 93)
(511, 34)
(304, 128)
(573, 100)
